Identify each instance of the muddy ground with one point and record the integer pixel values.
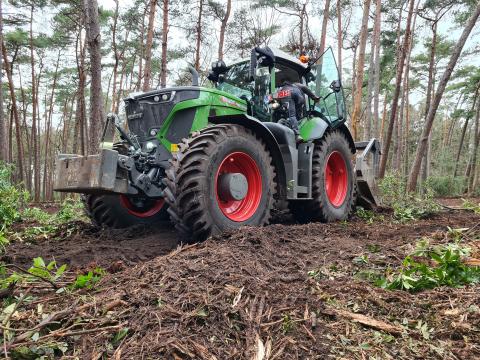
(285, 291)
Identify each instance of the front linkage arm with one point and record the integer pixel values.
(133, 172)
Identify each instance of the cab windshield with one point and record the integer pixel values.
(236, 81)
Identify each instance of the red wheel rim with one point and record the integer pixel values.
(152, 209)
(336, 179)
(240, 210)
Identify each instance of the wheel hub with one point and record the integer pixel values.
(238, 186)
(142, 208)
(232, 186)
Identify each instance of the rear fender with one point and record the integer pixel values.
(315, 128)
(277, 143)
(343, 128)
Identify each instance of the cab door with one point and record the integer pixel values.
(324, 80)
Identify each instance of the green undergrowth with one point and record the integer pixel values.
(14, 210)
(407, 206)
(46, 224)
(368, 216)
(53, 279)
(447, 185)
(431, 268)
(49, 273)
(471, 205)
(11, 198)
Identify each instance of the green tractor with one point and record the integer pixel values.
(271, 130)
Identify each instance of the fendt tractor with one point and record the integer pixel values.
(270, 130)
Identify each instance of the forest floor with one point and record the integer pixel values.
(284, 291)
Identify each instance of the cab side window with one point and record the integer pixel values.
(236, 81)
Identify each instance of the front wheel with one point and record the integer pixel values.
(222, 178)
(120, 211)
(333, 182)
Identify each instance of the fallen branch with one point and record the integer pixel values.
(7, 319)
(59, 334)
(51, 282)
(365, 320)
(48, 320)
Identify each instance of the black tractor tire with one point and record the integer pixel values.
(196, 206)
(110, 211)
(334, 147)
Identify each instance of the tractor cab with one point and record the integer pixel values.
(263, 82)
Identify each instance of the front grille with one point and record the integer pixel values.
(148, 111)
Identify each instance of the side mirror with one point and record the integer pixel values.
(263, 56)
(218, 67)
(336, 86)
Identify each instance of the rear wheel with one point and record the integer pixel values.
(120, 211)
(333, 182)
(222, 178)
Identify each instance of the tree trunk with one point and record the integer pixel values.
(10, 130)
(24, 128)
(199, 36)
(96, 97)
(339, 36)
(384, 117)
(148, 48)
(422, 145)
(223, 28)
(464, 131)
(3, 125)
(326, 14)
(406, 146)
(81, 108)
(20, 153)
(142, 51)
(397, 149)
(376, 71)
(354, 72)
(368, 111)
(357, 99)
(402, 135)
(300, 40)
(163, 64)
(473, 166)
(48, 123)
(116, 59)
(35, 135)
(396, 94)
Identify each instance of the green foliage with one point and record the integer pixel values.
(69, 211)
(48, 223)
(39, 271)
(407, 206)
(48, 271)
(287, 323)
(432, 266)
(119, 336)
(368, 215)
(447, 185)
(11, 198)
(470, 205)
(89, 279)
(3, 238)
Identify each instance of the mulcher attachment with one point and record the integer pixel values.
(367, 164)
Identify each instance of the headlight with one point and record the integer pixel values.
(274, 105)
(150, 146)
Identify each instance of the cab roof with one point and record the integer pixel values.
(283, 58)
